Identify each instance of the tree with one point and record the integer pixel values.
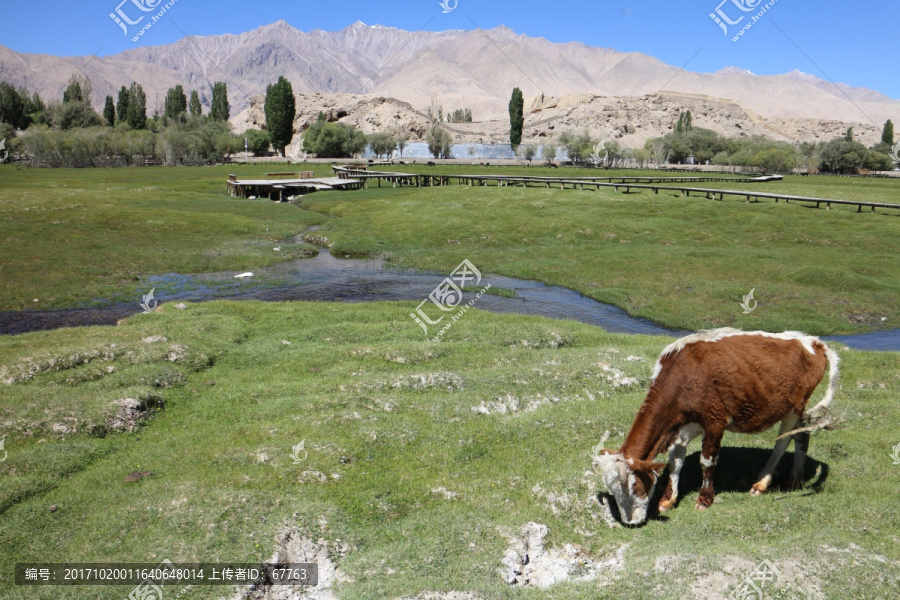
(849, 135)
(333, 140)
(842, 156)
(122, 106)
(529, 151)
(613, 151)
(887, 135)
(195, 107)
(109, 112)
(685, 122)
(806, 152)
(401, 144)
(219, 110)
(460, 115)
(78, 90)
(176, 102)
(257, 141)
(12, 109)
(137, 106)
(548, 150)
(579, 146)
(34, 106)
(280, 112)
(516, 117)
(775, 160)
(439, 140)
(382, 144)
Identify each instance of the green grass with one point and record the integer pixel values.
(502, 292)
(683, 262)
(87, 236)
(223, 484)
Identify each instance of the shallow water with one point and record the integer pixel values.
(332, 279)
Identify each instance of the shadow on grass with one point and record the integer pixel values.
(736, 471)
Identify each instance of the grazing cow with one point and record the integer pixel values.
(709, 383)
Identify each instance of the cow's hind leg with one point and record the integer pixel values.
(765, 476)
(712, 441)
(801, 446)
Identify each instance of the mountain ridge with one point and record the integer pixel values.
(473, 69)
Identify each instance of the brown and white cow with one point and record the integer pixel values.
(712, 382)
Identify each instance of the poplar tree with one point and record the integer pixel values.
(109, 112)
(195, 107)
(516, 117)
(280, 112)
(219, 109)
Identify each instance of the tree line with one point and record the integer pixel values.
(71, 133)
(689, 144)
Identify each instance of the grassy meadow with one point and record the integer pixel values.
(86, 236)
(422, 459)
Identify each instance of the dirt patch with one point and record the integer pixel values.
(781, 578)
(528, 563)
(130, 412)
(292, 547)
(28, 368)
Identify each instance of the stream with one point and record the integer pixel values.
(327, 278)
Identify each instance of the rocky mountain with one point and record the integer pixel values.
(460, 69)
(630, 120)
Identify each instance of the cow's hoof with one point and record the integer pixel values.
(701, 506)
(666, 505)
(757, 490)
(795, 485)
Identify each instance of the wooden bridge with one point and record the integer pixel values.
(282, 189)
(619, 182)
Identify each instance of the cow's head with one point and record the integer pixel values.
(630, 481)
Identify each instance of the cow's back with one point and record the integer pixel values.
(744, 382)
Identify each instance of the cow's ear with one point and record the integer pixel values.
(648, 466)
(605, 452)
(657, 467)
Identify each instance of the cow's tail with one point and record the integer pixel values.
(833, 372)
(819, 417)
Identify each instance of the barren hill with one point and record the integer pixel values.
(461, 69)
(630, 120)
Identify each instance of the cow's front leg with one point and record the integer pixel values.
(712, 441)
(676, 461)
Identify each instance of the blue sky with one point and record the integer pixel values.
(839, 40)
